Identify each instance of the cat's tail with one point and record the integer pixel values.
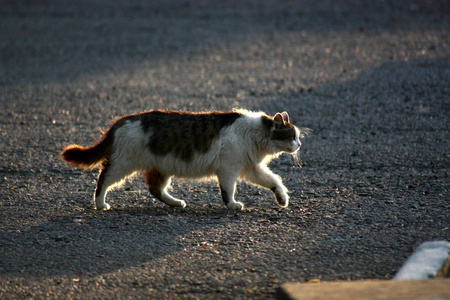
(89, 157)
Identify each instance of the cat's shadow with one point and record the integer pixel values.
(89, 243)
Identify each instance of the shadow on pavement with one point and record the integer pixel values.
(92, 243)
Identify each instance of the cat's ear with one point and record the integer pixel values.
(285, 116)
(281, 118)
(278, 118)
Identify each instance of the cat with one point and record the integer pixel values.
(162, 144)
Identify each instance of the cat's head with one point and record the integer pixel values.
(284, 137)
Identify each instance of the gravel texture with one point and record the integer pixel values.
(370, 78)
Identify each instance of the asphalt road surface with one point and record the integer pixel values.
(370, 78)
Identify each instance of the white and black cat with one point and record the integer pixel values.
(161, 144)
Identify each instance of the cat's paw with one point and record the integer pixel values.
(281, 196)
(235, 206)
(282, 199)
(104, 206)
(283, 202)
(177, 203)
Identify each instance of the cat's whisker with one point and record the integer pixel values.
(297, 162)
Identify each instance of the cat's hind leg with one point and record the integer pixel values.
(101, 190)
(261, 175)
(158, 183)
(111, 175)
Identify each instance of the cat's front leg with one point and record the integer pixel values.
(261, 175)
(227, 184)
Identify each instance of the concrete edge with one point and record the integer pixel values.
(429, 260)
(367, 289)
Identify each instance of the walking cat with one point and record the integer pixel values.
(162, 144)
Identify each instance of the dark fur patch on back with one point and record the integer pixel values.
(182, 133)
